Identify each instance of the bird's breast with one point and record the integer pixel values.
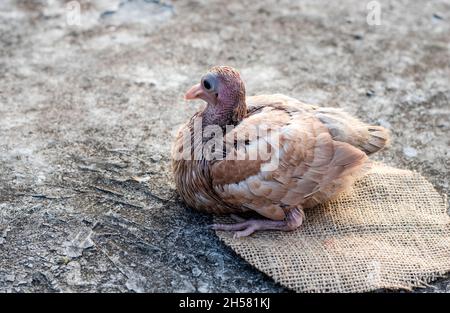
(194, 186)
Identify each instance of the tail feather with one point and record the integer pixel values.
(377, 139)
(344, 127)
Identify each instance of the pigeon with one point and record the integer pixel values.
(271, 155)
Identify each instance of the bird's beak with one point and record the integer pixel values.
(195, 92)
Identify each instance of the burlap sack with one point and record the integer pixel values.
(391, 231)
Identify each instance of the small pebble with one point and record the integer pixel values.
(196, 272)
(10, 277)
(384, 123)
(370, 93)
(203, 287)
(185, 287)
(156, 158)
(409, 152)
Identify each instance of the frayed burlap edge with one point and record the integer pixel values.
(391, 231)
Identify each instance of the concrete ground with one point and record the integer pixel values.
(88, 111)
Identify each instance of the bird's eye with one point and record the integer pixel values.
(207, 84)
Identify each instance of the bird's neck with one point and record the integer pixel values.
(223, 114)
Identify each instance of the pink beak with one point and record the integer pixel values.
(194, 92)
(197, 92)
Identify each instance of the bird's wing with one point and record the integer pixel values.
(280, 101)
(299, 165)
(341, 125)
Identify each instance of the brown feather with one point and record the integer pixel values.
(322, 152)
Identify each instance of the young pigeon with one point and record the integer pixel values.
(315, 154)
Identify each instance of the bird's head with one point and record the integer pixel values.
(224, 92)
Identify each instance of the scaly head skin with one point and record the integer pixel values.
(224, 92)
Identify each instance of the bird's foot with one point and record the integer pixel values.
(244, 228)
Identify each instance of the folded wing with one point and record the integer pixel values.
(298, 163)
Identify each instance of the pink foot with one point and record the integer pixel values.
(243, 228)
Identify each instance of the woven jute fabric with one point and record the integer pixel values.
(390, 231)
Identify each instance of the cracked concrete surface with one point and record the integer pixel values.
(87, 114)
